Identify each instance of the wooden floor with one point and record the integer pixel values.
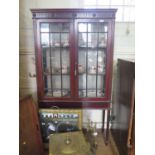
(103, 149)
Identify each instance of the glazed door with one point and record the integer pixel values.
(56, 53)
(91, 54)
(74, 59)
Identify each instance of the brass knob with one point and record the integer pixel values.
(24, 143)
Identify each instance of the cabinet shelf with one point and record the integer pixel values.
(92, 48)
(93, 74)
(58, 92)
(54, 47)
(91, 93)
(56, 74)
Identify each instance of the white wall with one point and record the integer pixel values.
(123, 46)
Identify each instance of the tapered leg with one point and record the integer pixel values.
(106, 119)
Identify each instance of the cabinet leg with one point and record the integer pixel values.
(106, 119)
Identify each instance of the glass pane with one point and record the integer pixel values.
(92, 27)
(82, 27)
(55, 63)
(101, 62)
(92, 62)
(47, 83)
(59, 27)
(102, 40)
(91, 59)
(45, 39)
(56, 59)
(65, 27)
(82, 85)
(55, 27)
(64, 39)
(82, 72)
(82, 39)
(46, 61)
(103, 27)
(55, 39)
(82, 61)
(100, 86)
(65, 61)
(56, 82)
(91, 89)
(92, 40)
(66, 85)
(44, 27)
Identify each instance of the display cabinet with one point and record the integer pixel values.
(74, 57)
(74, 54)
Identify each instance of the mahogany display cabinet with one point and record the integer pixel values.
(74, 57)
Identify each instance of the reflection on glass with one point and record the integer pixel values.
(92, 40)
(103, 27)
(102, 39)
(82, 82)
(82, 39)
(55, 39)
(92, 27)
(83, 27)
(82, 61)
(91, 82)
(56, 81)
(92, 55)
(100, 86)
(59, 27)
(65, 61)
(66, 82)
(45, 39)
(55, 27)
(64, 39)
(44, 27)
(65, 27)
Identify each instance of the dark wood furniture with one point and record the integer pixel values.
(74, 57)
(30, 142)
(123, 109)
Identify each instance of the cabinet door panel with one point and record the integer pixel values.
(92, 52)
(55, 45)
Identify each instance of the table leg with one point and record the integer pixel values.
(106, 119)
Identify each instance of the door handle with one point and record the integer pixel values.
(75, 72)
(24, 143)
